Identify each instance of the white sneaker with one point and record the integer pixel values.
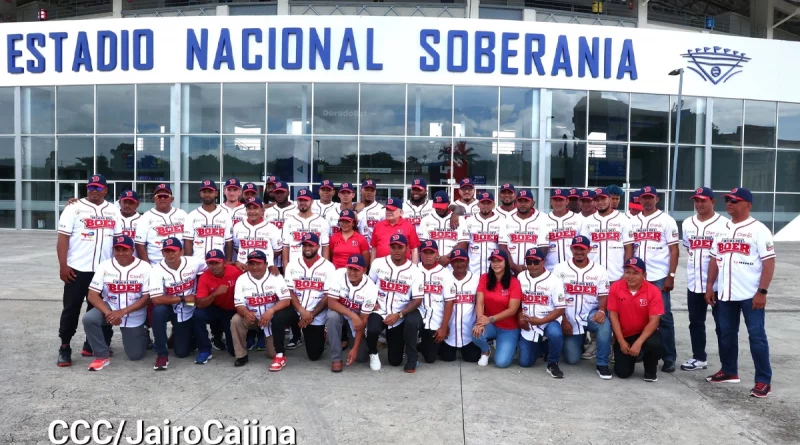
(374, 362)
(484, 360)
(591, 351)
(693, 365)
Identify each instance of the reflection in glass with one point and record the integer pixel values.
(788, 166)
(726, 167)
(607, 164)
(691, 162)
(475, 112)
(38, 158)
(7, 158)
(38, 110)
(566, 163)
(608, 116)
(430, 110)
(153, 106)
(787, 209)
(335, 158)
(383, 159)
(727, 122)
(566, 114)
(650, 118)
(289, 108)
(383, 109)
(7, 110)
(190, 196)
(788, 125)
(115, 109)
(479, 158)
(75, 158)
(243, 158)
(763, 208)
(200, 158)
(244, 108)
(76, 110)
(759, 176)
(38, 205)
(336, 108)
(429, 159)
(693, 120)
(684, 208)
(115, 157)
(289, 158)
(519, 113)
(759, 123)
(8, 204)
(200, 108)
(649, 166)
(153, 159)
(519, 162)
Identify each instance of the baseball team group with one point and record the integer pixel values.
(467, 278)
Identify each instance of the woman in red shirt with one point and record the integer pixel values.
(498, 300)
(347, 242)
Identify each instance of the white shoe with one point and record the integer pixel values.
(374, 362)
(591, 351)
(484, 360)
(693, 365)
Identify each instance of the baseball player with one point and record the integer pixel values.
(85, 233)
(437, 226)
(656, 242)
(258, 297)
(587, 203)
(508, 200)
(269, 191)
(209, 226)
(634, 207)
(525, 229)
(610, 234)
(249, 190)
(300, 222)
(561, 226)
(370, 212)
(159, 223)
(744, 257)
(128, 204)
(255, 233)
(486, 230)
(543, 304)
(277, 213)
(574, 204)
(214, 299)
(418, 206)
(119, 293)
(586, 288)
(400, 293)
(325, 202)
(352, 296)
(463, 319)
(233, 200)
(699, 232)
(439, 295)
(466, 200)
(173, 290)
(615, 194)
(346, 195)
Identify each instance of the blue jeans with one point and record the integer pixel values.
(529, 351)
(698, 308)
(666, 326)
(211, 314)
(505, 344)
(573, 344)
(728, 318)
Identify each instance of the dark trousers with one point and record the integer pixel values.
(729, 318)
(398, 339)
(74, 295)
(624, 364)
(219, 319)
(429, 349)
(698, 308)
(181, 332)
(314, 335)
(470, 352)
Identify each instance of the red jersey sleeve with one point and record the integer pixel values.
(203, 287)
(482, 284)
(655, 303)
(515, 290)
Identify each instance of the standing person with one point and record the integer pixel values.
(347, 243)
(255, 233)
(497, 302)
(159, 223)
(656, 235)
(119, 294)
(508, 201)
(233, 201)
(615, 195)
(745, 264)
(214, 298)
(466, 198)
(543, 303)
(463, 319)
(574, 205)
(418, 206)
(85, 237)
(209, 226)
(586, 288)
(437, 301)
(325, 202)
(346, 195)
(370, 212)
(634, 307)
(634, 207)
(129, 217)
(249, 190)
(587, 203)
(486, 230)
(437, 226)
(610, 234)
(400, 292)
(561, 226)
(301, 222)
(269, 191)
(525, 229)
(277, 213)
(393, 224)
(699, 232)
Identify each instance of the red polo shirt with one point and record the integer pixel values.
(208, 284)
(342, 249)
(496, 300)
(383, 231)
(634, 311)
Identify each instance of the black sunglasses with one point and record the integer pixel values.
(731, 200)
(533, 262)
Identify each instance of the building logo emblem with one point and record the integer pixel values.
(716, 65)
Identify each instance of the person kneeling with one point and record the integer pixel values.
(352, 296)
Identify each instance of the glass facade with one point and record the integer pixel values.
(139, 135)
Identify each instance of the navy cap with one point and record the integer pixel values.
(419, 183)
(257, 256)
(97, 180)
(123, 241)
(499, 254)
(304, 194)
(703, 193)
(164, 187)
(280, 185)
(215, 256)
(441, 200)
(559, 193)
(172, 243)
(485, 196)
(636, 263)
(581, 241)
(208, 184)
(587, 194)
(602, 191)
(536, 253)
(466, 182)
(272, 179)
(648, 191)
(256, 201)
(326, 184)
(398, 238)
(525, 194)
(394, 204)
(508, 186)
(250, 187)
(309, 238)
(740, 194)
(458, 254)
(367, 183)
(233, 182)
(346, 186)
(634, 198)
(347, 214)
(574, 193)
(429, 244)
(357, 262)
(129, 195)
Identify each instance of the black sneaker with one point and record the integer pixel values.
(295, 342)
(219, 344)
(603, 372)
(241, 361)
(552, 369)
(668, 367)
(64, 357)
(650, 377)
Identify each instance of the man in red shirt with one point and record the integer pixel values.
(635, 307)
(214, 299)
(392, 225)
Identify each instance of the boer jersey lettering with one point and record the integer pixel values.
(122, 286)
(90, 229)
(698, 238)
(155, 227)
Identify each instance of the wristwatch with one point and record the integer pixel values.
(400, 314)
(491, 319)
(672, 274)
(183, 299)
(762, 291)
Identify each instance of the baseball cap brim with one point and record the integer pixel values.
(533, 257)
(215, 260)
(346, 218)
(580, 246)
(734, 197)
(701, 197)
(459, 258)
(96, 184)
(441, 206)
(306, 198)
(486, 199)
(498, 256)
(167, 191)
(429, 248)
(326, 187)
(399, 243)
(597, 195)
(354, 266)
(276, 189)
(558, 197)
(128, 198)
(529, 198)
(392, 208)
(588, 198)
(208, 187)
(368, 186)
(635, 206)
(171, 248)
(648, 194)
(466, 186)
(634, 267)
(128, 246)
(417, 187)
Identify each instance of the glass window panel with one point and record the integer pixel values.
(691, 162)
(430, 110)
(788, 166)
(115, 104)
(519, 113)
(727, 122)
(38, 110)
(650, 118)
(787, 208)
(244, 108)
(649, 166)
(190, 196)
(788, 126)
(335, 108)
(566, 163)
(76, 110)
(383, 109)
(116, 188)
(153, 158)
(289, 108)
(763, 208)
(684, 207)
(519, 162)
(759, 123)
(75, 158)
(475, 112)
(146, 190)
(244, 158)
(566, 114)
(429, 159)
(7, 158)
(154, 105)
(760, 172)
(38, 205)
(115, 157)
(8, 204)
(478, 159)
(200, 158)
(38, 158)
(289, 158)
(608, 116)
(383, 159)
(335, 158)
(607, 164)
(726, 167)
(693, 120)
(200, 108)
(7, 110)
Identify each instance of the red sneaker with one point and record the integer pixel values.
(99, 364)
(722, 377)
(162, 361)
(278, 363)
(761, 390)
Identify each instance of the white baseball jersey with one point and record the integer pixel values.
(310, 283)
(318, 208)
(122, 286)
(91, 229)
(485, 236)
(414, 214)
(652, 236)
(559, 233)
(369, 217)
(437, 228)
(540, 296)
(361, 299)
(263, 236)
(698, 238)
(129, 224)
(277, 216)
(177, 282)
(397, 285)
(506, 213)
(471, 209)
(437, 288)
(238, 213)
(463, 319)
(154, 227)
(608, 236)
(208, 230)
(295, 226)
(582, 288)
(258, 296)
(740, 251)
(524, 234)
